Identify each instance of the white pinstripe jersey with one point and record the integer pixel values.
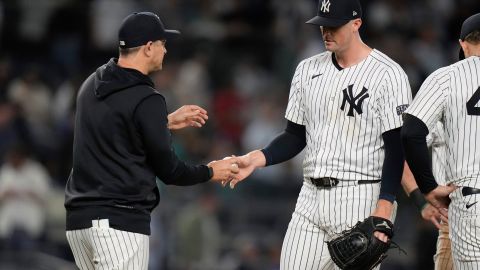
(451, 95)
(345, 112)
(436, 140)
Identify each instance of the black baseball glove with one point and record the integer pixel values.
(358, 248)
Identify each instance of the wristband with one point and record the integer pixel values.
(418, 199)
(210, 172)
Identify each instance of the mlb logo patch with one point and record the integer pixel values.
(401, 108)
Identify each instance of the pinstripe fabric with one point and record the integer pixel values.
(450, 95)
(339, 145)
(443, 97)
(320, 215)
(101, 247)
(436, 139)
(464, 231)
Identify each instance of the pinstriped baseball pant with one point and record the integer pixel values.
(103, 248)
(321, 214)
(464, 230)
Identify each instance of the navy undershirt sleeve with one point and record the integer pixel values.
(286, 145)
(392, 165)
(151, 119)
(414, 134)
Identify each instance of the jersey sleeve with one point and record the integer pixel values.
(429, 103)
(295, 109)
(395, 98)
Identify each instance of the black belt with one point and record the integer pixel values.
(326, 182)
(470, 191)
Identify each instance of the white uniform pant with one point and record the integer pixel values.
(321, 214)
(101, 247)
(465, 230)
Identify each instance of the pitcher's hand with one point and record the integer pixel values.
(384, 210)
(247, 164)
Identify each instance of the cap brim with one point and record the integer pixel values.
(328, 22)
(169, 34)
(461, 54)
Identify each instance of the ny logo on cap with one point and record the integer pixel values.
(325, 8)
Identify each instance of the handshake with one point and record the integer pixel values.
(229, 170)
(232, 170)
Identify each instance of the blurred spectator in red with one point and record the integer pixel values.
(228, 108)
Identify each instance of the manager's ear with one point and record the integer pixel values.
(148, 49)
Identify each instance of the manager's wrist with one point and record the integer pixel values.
(210, 172)
(418, 199)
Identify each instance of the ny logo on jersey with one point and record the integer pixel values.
(325, 8)
(354, 101)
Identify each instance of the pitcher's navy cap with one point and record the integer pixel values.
(471, 24)
(335, 13)
(139, 28)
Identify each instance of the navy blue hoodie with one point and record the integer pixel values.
(121, 144)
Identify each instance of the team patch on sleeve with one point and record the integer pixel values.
(402, 108)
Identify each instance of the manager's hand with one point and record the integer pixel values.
(187, 116)
(439, 198)
(430, 213)
(224, 170)
(247, 164)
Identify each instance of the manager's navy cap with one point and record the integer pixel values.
(471, 24)
(139, 28)
(335, 13)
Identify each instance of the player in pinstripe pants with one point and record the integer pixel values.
(451, 95)
(436, 140)
(345, 107)
(443, 256)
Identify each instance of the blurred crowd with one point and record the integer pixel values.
(235, 58)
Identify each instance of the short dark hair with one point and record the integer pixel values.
(128, 51)
(473, 37)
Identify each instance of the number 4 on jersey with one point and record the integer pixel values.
(471, 109)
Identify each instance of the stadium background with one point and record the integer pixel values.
(236, 59)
